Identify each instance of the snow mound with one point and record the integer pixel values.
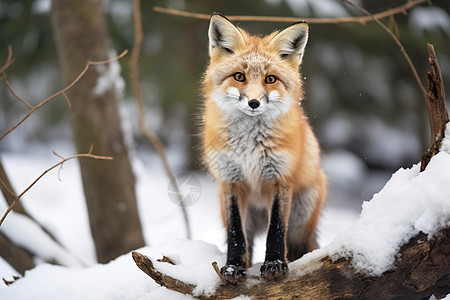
(193, 264)
(411, 202)
(24, 232)
(121, 278)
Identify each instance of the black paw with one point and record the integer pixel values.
(274, 269)
(233, 274)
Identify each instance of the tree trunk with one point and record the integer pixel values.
(7, 190)
(19, 258)
(81, 34)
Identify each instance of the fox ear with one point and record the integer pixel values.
(291, 41)
(223, 35)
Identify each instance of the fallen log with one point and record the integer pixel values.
(423, 270)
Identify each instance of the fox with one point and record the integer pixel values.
(259, 146)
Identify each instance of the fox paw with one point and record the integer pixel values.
(271, 270)
(233, 274)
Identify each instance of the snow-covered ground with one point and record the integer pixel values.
(409, 203)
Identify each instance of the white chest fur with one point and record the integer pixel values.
(250, 156)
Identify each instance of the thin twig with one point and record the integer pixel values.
(362, 20)
(216, 268)
(63, 160)
(397, 41)
(134, 81)
(61, 92)
(9, 60)
(67, 100)
(15, 94)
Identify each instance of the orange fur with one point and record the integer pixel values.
(284, 145)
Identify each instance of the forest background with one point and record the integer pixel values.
(361, 97)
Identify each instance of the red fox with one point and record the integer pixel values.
(258, 145)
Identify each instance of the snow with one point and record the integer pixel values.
(23, 232)
(321, 8)
(56, 201)
(120, 279)
(41, 7)
(195, 267)
(384, 144)
(429, 19)
(445, 146)
(345, 169)
(109, 78)
(410, 202)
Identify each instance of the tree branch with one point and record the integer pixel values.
(424, 270)
(397, 41)
(4, 77)
(362, 20)
(152, 137)
(9, 61)
(63, 160)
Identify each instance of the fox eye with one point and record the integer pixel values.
(270, 79)
(239, 77)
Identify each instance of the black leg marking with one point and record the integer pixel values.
(275, 263)
(234, 270)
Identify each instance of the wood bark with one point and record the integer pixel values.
(436, 106)
(423, 270)
(81, 35)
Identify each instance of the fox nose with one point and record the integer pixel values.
(254, 103)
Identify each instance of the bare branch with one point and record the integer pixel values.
(134, 81)
(15, 94)
(61, 92)
(67, 100)
(362, 20)
(63, 160)
(397, 41)
(9, 60)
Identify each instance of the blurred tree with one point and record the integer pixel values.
(81, 34)
(19, 258)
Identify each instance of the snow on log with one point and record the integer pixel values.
(424, 270)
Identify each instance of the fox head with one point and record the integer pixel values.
(257, 76)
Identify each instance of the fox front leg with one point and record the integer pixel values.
(275, 265)
(237, 256)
